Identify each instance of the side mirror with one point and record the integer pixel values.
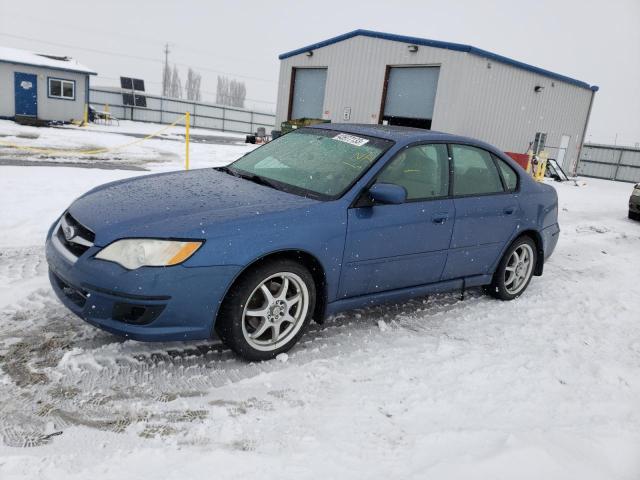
(388, 193)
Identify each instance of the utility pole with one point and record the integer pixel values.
(165, 80)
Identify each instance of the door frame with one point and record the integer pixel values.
(292, 86)
(564, 150)
(385, 86)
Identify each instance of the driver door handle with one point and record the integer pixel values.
(440, 218)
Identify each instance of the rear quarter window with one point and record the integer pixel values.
(508, 174)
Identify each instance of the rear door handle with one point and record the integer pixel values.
(509, 210)
(440, 218)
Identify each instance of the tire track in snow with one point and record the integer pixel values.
(68, 373)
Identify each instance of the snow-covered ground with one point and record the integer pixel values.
(66, 144)
(546, 386)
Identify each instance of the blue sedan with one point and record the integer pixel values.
(321, 220)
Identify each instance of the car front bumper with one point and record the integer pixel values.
(147, 304)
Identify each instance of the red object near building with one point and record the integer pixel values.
(521, 158)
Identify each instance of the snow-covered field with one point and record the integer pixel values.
(65, 144)
(544, 387)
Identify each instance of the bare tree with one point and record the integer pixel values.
(230, 92)
(192, 87)
(175, 86)
(238, 92)
(222, 90)
(166, 73)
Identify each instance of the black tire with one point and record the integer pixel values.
(497, 288)
(229, 324)
(634, 215)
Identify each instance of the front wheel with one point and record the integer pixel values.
(267, 311)
(515, 270)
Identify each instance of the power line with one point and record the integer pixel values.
(134, 57)
(110, 34)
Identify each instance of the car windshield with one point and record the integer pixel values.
(322, 163)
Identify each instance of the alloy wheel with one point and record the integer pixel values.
(519, 268)
(275, 311)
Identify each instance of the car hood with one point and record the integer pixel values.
(176, 205)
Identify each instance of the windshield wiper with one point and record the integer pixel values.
(226, 169)
(252, 177)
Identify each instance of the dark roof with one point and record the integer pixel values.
(458, 47)
(396, 133)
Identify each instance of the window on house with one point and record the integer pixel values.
(59, 88)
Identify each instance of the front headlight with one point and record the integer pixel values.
(133, 253)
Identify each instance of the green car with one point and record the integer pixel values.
(634, 203)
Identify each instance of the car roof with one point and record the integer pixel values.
(402, 135)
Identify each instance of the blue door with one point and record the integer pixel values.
(487, 213)
(396, 246)
(26, 93)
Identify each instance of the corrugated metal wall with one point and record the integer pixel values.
(610, 162)
(484, 99)
(165, 110)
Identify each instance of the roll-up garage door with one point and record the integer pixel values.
(410, 96)
(308, 92)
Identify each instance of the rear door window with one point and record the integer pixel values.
(474, 172)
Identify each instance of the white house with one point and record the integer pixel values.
(37, 87)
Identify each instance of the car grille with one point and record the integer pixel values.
(72, 238)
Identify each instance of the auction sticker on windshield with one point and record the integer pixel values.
(351, 139)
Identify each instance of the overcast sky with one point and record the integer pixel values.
(594, 41)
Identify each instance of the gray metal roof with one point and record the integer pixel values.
(439, 44)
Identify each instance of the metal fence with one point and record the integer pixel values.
(167, 110)
(610, 162)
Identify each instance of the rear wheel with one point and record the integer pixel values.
(515, 270)
(267, 311)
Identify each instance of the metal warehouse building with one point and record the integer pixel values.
(38, 87)
(372, 77)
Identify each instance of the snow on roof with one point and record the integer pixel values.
(57, 62)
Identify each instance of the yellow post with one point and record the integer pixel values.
(542, 166)
(85, 120)
(530, 163)
(186, 136)
(106, 107)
